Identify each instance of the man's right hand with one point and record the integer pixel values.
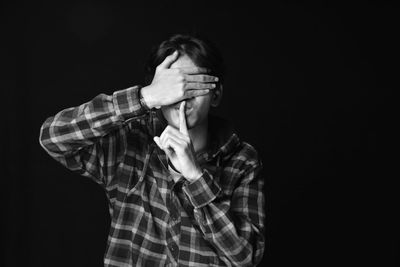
(171, 85)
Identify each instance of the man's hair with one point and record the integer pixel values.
(199, 49)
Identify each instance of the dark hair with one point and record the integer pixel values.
(199, 49)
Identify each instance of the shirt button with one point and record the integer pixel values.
(172, 246)
(173, 217)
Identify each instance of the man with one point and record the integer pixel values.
(183, 189)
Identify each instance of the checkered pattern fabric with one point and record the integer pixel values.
(217, 220)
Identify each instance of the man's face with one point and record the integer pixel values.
(197, 108)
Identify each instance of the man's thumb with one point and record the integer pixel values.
(169, 60)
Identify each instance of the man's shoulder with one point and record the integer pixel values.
(247, 156)
(248, 151)
(224, 133)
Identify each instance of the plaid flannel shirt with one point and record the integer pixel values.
(217, 220)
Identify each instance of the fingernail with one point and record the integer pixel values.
(216, 79)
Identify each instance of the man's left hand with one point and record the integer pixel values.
(179, 148)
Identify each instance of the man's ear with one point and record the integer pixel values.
(217, 96)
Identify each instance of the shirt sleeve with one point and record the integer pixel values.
(233, 225)
(91, 138)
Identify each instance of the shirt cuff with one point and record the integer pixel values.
(127, 104)
(202, 191)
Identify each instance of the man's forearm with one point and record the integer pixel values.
(77, 127)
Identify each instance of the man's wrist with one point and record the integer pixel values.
(145, 96)
(142, 100)
(195, 175)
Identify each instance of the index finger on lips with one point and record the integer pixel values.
(182, 118)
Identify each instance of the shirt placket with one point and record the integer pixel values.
(174, 208)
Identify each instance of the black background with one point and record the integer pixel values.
(309, 84)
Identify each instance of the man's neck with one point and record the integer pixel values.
(199, 136)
